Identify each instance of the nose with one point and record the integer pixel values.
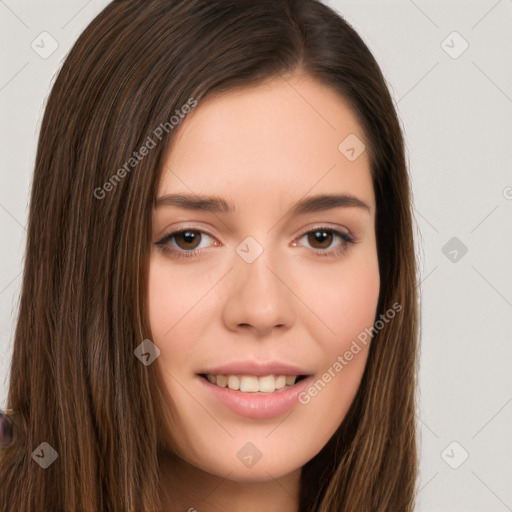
(259, 296)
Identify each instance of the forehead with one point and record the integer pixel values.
(275, 139)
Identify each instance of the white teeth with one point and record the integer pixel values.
(282, 381)
(249, 384)
(267, 384)
(290, 380)
(222, 381)
(252, 383)
(233, 382)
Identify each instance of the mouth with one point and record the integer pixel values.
(263, 396)
(253, 384)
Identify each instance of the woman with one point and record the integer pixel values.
(219, 300)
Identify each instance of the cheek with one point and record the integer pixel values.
(347, 305)
(345, 299)
(170, 298)
(357, 299)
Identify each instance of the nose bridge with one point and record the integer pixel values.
(258, 266)
(258, 296)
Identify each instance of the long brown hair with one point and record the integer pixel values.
(75, 382)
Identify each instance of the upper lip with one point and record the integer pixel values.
(259, 369)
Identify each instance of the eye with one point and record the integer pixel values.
(322, 237)
(186, 242)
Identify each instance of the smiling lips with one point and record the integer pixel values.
(255, 403)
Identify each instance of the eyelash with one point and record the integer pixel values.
(346, 239)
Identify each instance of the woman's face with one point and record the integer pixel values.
(260, 281)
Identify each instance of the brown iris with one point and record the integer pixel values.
(191, 239)
(320, 236)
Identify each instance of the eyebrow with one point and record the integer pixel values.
(311, 204)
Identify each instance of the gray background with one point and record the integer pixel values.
(455, 108)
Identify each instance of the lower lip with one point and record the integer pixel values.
(258, 406)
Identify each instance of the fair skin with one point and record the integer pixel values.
(262, 149)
